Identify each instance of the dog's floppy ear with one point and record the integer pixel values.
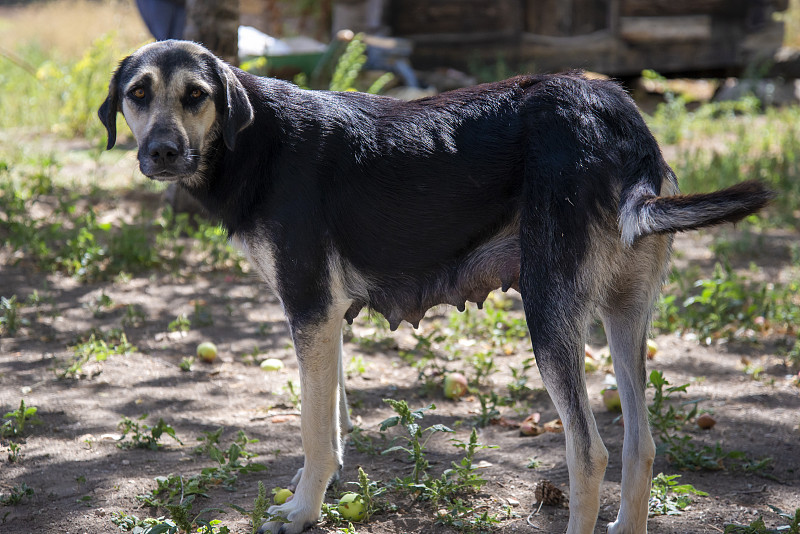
(109, 108)
(238, 113)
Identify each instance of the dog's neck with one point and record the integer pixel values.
(231, 184)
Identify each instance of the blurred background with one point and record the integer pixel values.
(106, 290)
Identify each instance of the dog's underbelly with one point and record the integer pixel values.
(400, 296)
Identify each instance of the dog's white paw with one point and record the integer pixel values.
(617, 527)
(299, 514)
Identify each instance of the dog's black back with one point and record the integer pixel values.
(407, 191)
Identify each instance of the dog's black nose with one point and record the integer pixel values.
(163, 152)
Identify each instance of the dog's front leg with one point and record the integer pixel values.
(318, 345)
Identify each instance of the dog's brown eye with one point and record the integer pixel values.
(196, 93)
(138, 93)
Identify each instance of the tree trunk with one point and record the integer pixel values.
(215, 25)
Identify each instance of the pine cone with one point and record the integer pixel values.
(546, 493)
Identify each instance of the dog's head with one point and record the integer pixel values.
(178, 100)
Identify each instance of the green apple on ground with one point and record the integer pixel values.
(351, 506)
(272, 364)
(281, 495)
(207, 351)
(455, 386)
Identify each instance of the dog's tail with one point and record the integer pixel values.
(642, 212)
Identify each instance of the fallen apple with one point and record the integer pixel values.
(611, 400)
(351, 507)
(706, 422)
(272, 364)
(207, 351)
(652, 348)
(455, 386)
(281, 495)
(530, 426)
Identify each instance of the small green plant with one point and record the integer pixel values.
(10, 320)
(533, 463)
(362, 442)
(14, 452)
(231, 462)
(518, 387)
(464, 475)
(668, 420)
(17, 495)
(16, 420)
(667, 497)
(759, 527)
(99, 304)
(180, 324)
(134, 316)
(259, 511)
(489, 407)
(294, 394)
(416, 439)
(369, 491)
(143, 436)
(186, 364)
(99, 346)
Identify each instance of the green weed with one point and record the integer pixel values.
(17, 495)
(759, 527)
(667, 497)
(144, 436)
(369, 491)
(259, 511)
(98, 347)
(489, 407)
(14, 452)
(668, 420)
(10, 319)
(17, 420)
(180, 324)
(231, 462)
(417, 437)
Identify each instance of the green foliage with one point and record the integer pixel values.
(668, 421)
(759, 527)
(231, 462)
(489, 407)
(369, 491)
(10, 320)
(667, 497)
(727, 305)
(99, 346)
(18, 419)
(62, 95)
(410, 420)
(143, 436)
(349, 66)
(259, 511)
(17, 495)
(161, 525)
(496, 325)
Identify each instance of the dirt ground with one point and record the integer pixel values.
(80, 477)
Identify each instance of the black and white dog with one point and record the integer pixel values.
(549, 184)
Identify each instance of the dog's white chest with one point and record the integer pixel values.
(261, 256)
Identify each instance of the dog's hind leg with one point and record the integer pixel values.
(557, 320)
(626, 317)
